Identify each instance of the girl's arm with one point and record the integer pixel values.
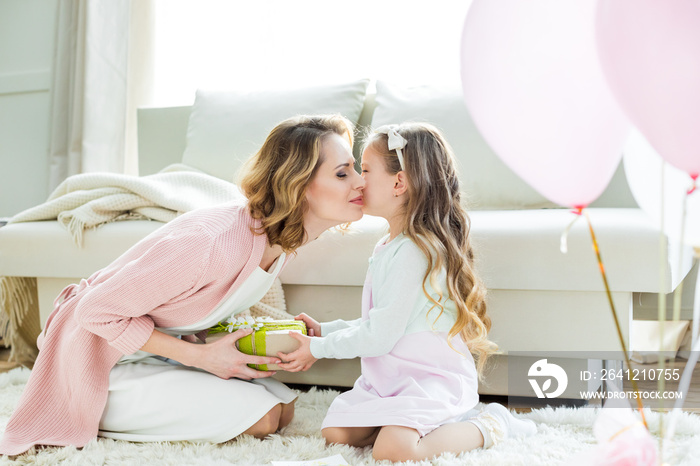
(317, 329)
(220, 358)
(398, 295)
(302, 359)
(339, 324)
(313, 328)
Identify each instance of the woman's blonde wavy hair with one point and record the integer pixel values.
(436, 221)
(275, 179)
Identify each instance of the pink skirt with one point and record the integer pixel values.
(422, 384)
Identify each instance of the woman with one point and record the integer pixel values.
(178, 281)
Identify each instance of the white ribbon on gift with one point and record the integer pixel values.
(396, 141)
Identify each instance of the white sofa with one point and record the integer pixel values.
(541, 302)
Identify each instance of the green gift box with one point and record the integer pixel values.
(269, 337)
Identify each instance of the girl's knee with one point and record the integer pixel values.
(396, 444)
(391, 451)
(335, 435)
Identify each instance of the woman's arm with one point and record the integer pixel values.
(220, 358)
(117, 307)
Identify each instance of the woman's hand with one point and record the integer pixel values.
(312, 326)
(301, 359)
(223, 359)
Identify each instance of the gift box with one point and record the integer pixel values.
(269, 337)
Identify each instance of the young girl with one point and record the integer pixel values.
(424, 319)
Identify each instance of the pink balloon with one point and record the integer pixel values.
(533, 85)
(650, 54)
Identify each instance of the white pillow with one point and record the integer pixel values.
(226, 128)
(486, 181)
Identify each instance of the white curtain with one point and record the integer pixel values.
(100, 76)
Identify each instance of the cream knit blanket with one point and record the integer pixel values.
(89, 200)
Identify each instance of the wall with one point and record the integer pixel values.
(26, 51)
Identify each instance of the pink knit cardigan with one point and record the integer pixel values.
(175, 276)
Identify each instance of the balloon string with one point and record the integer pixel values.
(614, 313)
(697, 255)
(687, 375)
(563, 241)
(677, 294)
(681, 253)
(663, 265)
(694, 186)
(696, 307)
(683, 387)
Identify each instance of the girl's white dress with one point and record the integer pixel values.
(155, 399)
(410, 375)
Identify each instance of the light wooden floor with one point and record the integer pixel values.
(692, 402)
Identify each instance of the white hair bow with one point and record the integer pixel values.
(396, 141)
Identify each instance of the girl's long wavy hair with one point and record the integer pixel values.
(275, 179)
(436, 221)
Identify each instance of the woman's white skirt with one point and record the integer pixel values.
(163, 402)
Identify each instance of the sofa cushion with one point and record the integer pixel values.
(337, 257)
(487, 182)
(226, 128)
(515, 250)
(520, 250)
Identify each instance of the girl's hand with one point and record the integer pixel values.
(301, 359)
(223, 359)
(312, 326)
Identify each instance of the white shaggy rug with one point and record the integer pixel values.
(563, 434)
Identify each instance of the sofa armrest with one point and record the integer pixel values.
(45, 249)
